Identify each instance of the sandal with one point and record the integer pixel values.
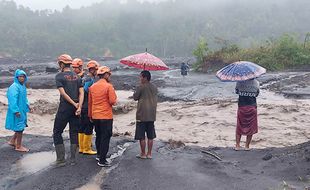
(22, 149)
(237, 148)
(140, 157)
(149, 157)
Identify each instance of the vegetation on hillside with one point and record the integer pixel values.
(286, 52)
(169, 28)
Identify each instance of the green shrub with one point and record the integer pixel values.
(200, 53)
(283, 53)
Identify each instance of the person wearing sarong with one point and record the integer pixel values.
(247, 111)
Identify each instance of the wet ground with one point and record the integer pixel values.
(174, 166)
(172, 86)
(35, 170)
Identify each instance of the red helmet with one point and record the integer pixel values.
(65, 58)
(92, 64)
(77, 63)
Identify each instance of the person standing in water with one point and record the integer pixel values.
(247, 111)
(146, 95)
(184, 69)
(18, 106)
(71, 93)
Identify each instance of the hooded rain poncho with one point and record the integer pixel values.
(17, 102)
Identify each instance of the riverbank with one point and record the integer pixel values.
(195, 113)
(174, 166)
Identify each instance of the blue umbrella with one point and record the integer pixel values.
(240, 71)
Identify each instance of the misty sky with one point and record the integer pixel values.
(60, 4)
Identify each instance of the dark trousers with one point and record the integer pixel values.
(86, 126)
(65, 115)
(103, 128)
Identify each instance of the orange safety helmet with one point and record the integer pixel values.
(92, 64)
(103, 69)
(65, 58)
(77, 62)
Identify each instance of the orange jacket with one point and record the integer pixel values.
(101, 97)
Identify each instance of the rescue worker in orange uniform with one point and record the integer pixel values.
(101, 98)
(86, 127)
(77, 65)
(71, 93)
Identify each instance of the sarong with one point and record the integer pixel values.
(247, 120)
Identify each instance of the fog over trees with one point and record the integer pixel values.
(169, 28)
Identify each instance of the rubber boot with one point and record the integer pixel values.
(81, 142)
(73, 151)
(60, 154)
(87, 145)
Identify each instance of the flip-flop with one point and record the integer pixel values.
(247, 149)
(237, 149)
(140, 157)
(149, 157)
(23, 150)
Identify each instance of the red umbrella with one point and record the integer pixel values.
(145, 61)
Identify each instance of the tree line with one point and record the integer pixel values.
(170, 28)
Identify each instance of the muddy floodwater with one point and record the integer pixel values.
(196, 114)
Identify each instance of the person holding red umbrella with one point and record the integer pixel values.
(146, 95)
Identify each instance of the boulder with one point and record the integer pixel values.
(52, 68)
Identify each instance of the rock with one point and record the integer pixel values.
(42, 107)
(307, 154)
(267, 156)
(5, 73)
(172, 144)
(32, 72)
(52, 68)
(12, 68)
(127, 133)
(123, 108)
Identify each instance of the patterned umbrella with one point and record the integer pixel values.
(240, 71)
(145, 61)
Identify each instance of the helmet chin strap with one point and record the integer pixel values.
(107, 77)
(61, 66)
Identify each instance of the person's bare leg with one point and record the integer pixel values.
(238, 139)
(149, 148)
(142, 147)
(12, 141)
(248, 141)
(19, 147)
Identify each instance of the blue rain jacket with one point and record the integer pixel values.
(18, 102)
